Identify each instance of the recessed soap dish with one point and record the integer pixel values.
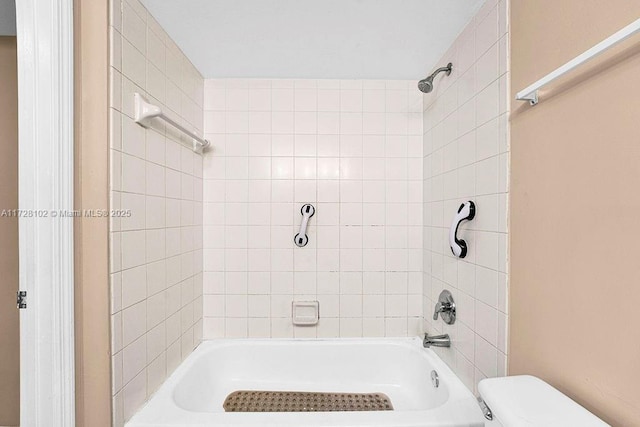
(305, 313)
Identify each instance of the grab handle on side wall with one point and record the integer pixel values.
(301, 239)
(466, 211)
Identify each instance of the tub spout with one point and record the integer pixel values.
(436, 341)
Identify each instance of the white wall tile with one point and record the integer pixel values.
(465, 157)
(314, 151)
(159, 180)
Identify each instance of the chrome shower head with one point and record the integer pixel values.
(426, 85)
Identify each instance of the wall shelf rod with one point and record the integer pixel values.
(530, 93)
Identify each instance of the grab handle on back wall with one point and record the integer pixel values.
(301, 239)
(466, 211)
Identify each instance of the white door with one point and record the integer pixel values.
(45, 140)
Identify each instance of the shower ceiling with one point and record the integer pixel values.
(339, 39)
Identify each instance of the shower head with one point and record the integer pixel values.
(426, 85)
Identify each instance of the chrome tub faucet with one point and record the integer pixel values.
(436, 341)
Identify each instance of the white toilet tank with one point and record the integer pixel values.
(524, 400)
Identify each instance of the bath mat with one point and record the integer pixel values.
(296, 401)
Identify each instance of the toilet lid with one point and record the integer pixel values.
(525, 400)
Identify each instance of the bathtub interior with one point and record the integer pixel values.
(314, 366)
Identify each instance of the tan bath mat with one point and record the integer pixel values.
(296, 401)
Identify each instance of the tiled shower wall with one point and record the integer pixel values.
(156, 252)
(351, 148)
(466, 157)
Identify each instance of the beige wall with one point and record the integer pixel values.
(93, 380)
(9, 319)
(575, 201)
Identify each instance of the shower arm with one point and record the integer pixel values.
(448, 69)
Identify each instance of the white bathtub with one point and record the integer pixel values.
(400, 368)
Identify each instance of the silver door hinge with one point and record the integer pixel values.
(22, 299)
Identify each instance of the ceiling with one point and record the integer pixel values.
(342, 39)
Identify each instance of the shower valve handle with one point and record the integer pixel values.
(441, 308)
(446, 307)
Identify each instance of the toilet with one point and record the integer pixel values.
(525, 400)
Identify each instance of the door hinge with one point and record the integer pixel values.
(22, 299)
